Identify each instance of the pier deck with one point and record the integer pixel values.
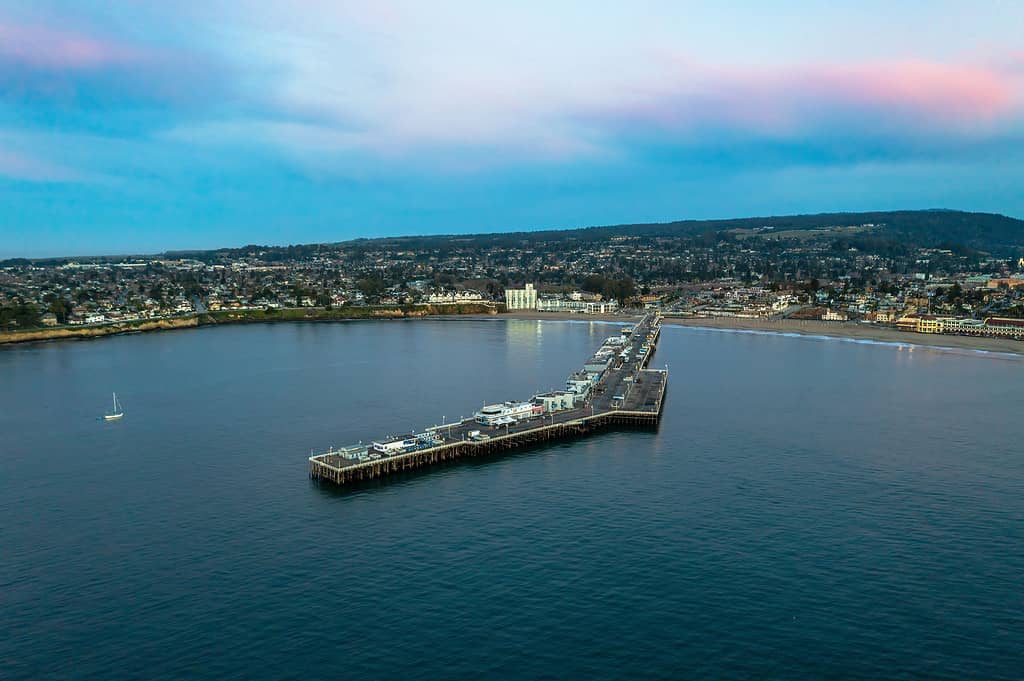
(627, 394)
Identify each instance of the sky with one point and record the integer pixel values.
(135, 127)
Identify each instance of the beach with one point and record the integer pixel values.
(848, 330)
(854, 331)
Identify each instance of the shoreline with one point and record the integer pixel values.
(851, 331)
(231, 317)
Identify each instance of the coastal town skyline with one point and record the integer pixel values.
(129, 128)
(929, 272)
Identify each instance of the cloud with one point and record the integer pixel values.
(345, 84)
(885, 98)
(17, 166)
(83, 71)
(43, 47)
(952, 93)
(407, 80)
(514, 117)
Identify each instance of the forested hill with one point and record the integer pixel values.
(927, 228)
(880, 231)
(987, 232)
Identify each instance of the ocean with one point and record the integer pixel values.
(809, 508)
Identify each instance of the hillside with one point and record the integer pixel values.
(928, 228)
(988, 232)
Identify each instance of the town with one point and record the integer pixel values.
(831, 273)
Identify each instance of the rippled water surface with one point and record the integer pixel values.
(808, 509)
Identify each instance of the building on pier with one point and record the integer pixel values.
(579, 384)
(394, 445)
(558, 400)
(506, 413)
(407, 443)
(598, 364)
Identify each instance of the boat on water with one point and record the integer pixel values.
(117, 413)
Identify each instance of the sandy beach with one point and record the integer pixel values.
(847, 330)
(856, 332)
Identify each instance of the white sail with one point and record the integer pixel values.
(117, 413)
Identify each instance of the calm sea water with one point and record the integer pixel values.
(808, 509)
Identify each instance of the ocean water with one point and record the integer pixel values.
(808, 509)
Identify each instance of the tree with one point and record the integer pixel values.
(21, 315)
(956, 294)
(371, 286)
(619, 289)
(61, 308)
(594, 283)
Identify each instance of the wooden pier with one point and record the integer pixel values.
(641, 407)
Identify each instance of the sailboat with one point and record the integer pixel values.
(117, 413)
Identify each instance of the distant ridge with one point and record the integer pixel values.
(988, 232)
(928, 228)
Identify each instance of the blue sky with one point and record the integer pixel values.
(140, 127)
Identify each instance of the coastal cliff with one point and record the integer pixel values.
(321, 314)
(300, 314)
(58, 333)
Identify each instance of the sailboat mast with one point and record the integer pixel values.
(116, 412)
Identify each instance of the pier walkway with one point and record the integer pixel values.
(627, 394)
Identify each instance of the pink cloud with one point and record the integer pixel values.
(20, 167)
(47, 48)
(945, 92)
(71, 67)
(1013, 64)
(916, 95)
